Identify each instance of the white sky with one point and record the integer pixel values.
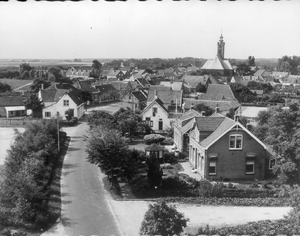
(133, 29)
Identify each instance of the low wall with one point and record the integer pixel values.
(15, 122)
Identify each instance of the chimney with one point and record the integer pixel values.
(155, 95)
(192, 107)
(217, 109)
(236, 117)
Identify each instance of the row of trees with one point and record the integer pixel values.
(24, 190)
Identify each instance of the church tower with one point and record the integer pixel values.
(221, 48)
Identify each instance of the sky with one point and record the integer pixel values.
(133, 29)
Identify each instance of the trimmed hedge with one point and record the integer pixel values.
(224, 201)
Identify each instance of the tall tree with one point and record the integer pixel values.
(4, 87)
(96, 69)
(203, 108)
(251, 61)
(25, 67)
(280, 128)
(35, 104)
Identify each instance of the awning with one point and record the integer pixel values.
(17, 108)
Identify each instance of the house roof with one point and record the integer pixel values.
(157, 101)
(139, 96)
(154, 148)
(194, 80)
(218, 92)
(259, 72)
(119, 85)
(293, 79)
(208, 123)
(174, 85)
(216, 64)
(113, 72)
(86, 86)
(222, 105)
(6, 101)
(143, 82)
(221, 125)
(165, 94)
(104, 88)
(279, 74)
(56, 91)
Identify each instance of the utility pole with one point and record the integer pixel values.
(58, 144)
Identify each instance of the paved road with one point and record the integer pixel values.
(85, 210)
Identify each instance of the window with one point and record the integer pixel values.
(235, 141)
(272, 163)
(250, 167)
(212, 168)
(47, 114)
(151, 123)
(148, 120)
(154, 111)
(66, 103)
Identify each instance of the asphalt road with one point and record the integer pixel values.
(85, 210)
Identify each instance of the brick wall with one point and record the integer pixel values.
(232, 163)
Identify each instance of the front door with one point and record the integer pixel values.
(160, 124)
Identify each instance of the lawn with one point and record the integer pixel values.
(15, 83)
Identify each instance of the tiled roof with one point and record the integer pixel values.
(113, 73)
(104, 88)
(56, 91)
(143, 82)
(159, 102)
(174, 85)
(165, 94)
(6, 101)
(154, 148)
(86, 86)
(119, 85)
(259, 72)
(218, 92)
(224, 125)
(208, 123)
(217, 64)
(194, 80)
(293, 79)
(189, 114)
(139, 96)
(222, 105)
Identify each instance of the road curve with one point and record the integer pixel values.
(85, 210)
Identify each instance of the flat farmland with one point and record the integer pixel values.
(6, 138)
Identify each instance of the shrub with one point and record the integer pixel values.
(170, 157)
(174, 182)
(168, 141)
(210, 189)
(153, 138)
(161, 219)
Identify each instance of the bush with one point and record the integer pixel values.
(153, 138)
(161, 219)
(168, 141)
(173, 183)
(169, 157)
(210, 189)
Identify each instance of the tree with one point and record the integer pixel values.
(245, 95)
(161, 219)
(243, 69)
(203, 108)
(251, 61)
(231, 113)
(108, 149)
(289, 64)
(25, 67)
(26, 174)
(280, 128)
(4, 87)
(38, 83)
(96, 69)
(200, 88)
(86, 96)
(35, 104)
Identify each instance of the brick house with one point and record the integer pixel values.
(221, 148)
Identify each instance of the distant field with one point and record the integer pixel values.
(15, 83)
(6, 138)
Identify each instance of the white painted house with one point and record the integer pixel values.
(61, 99)
(156, 115)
